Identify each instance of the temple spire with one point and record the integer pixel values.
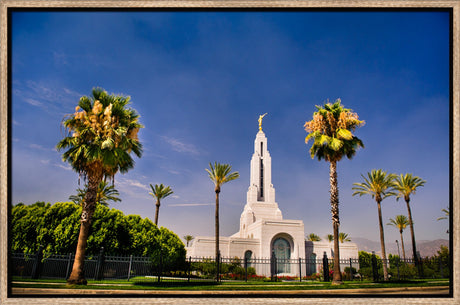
(261, 189)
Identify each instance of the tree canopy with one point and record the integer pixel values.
(56, 228)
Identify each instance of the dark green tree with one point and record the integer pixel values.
(56, 228)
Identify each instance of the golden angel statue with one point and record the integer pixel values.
(260, 120)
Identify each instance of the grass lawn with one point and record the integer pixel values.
(152, 284)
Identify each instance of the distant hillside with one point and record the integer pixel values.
(426, 247)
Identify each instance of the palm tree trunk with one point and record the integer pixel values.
(77, 276)
(382, 244)
(402, 245)
(157, 211)
(217, 231)
(337, 277)
(412, 234)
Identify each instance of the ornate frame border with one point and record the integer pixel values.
(453, 5)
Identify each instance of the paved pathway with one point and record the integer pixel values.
(439, 290)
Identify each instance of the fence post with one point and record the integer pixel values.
(218, 267)
(300, 269)
(273, 266)
(189, 267)
(160, 265)
(351, 270)
(375, 271)
(69, 265)
(245, 268)
(36, 269)
(325, 267)
(440, 267)
(130, 265)
(420, 264)
(100, 265)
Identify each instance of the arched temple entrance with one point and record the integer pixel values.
(248, 257)
(281, 248)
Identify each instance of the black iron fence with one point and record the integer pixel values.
(146, 269)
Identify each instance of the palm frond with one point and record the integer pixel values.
(220, 173)
(160, 191)
(102, 130)
(331, 128)
(407, 184)
(400, 222)
(378, 184)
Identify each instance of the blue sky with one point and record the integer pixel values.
(199, 80)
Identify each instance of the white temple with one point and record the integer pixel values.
(263, 230)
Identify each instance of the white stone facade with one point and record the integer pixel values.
(263, 231)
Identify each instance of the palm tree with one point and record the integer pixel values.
(331, 130)
(313, 237)
(407, 185)
(380, 186)
(343, 237)
(188, 238)
(100, 136)
(400, 222)
(159, 192)
(220, 174)
(446, 214)
(330, 237)
(105, 193)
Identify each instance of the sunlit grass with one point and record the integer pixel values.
(152, 284)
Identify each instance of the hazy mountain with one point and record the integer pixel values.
(426, 247)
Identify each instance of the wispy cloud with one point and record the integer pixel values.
(41, 147)
(189, 204)
(73, 93)
(171, 171)
(37, 146)
(45, 96)
(66, 167)
(33, 102)
(16, 123)
(180, 146)
(46, 162)
(132, 183)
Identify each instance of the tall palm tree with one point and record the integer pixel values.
(400, 222)
(406, 185)
(343, 237)
(188, 238)
(313, 237)
(330, 237)
(159, 192)
(220, 174)
(105, 193)
(380, 186)
(331, 130)
(100, 136)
